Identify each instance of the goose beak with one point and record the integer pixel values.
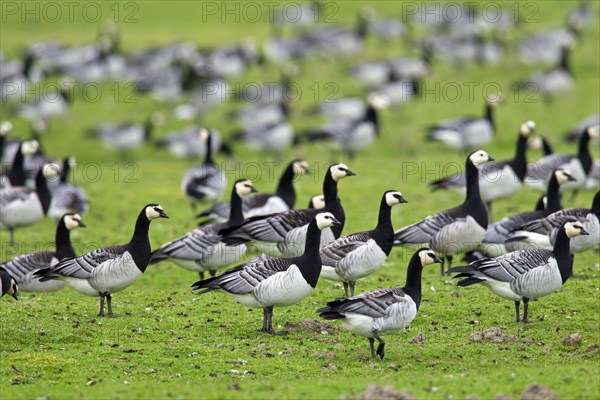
(438, 260)
(15, 296)
(401, 199)
(163, 214)
(571, 178)
(583, 232)
(350, 173)
(335, 221)
(82, 225)
(253, 190)
(490, 158)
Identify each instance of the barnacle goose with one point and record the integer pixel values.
(16, 77)
(382, 311)
(540, 142)
(205, 182)
(269, 282)
(17, 175)
(359, 254)
(546, 46)
(108, 270)
(8, 147)
(352, 136)
(274, 137)
(468, 132)
(541, 233)
(48, 106)
(127, 136)
(455, 230)
(575, 133)
(284, 233)
(525, 274)
(498, 179)
(202, 249)
(495, 243)
(282, 200)
(23, 267)
(317, 202)
(552, 82)
(538, 173)
(345, 108)
(8, 284)
(67, 197)
(21, 206)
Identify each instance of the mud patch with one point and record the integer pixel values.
(375, 392)
(538, 392)
(419, 339)
(572, 340)
(492, 335)
(311, 325)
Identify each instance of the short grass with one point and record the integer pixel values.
(170, 343)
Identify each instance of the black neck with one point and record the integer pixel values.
(489, 113)
(473, 204)
(285, 187)
(333, 203)
(64, 248)
(309, 262)
(208, 159)
(553, 195)
(413, 279)
(547, 147)
(596, 203)
(371, 115)
(27, 64)
(139, 245)
(41, 187)
(17, 173)
(236, 215)
(562, 253)
(519, 162)
(383, 234)
(564, 61)
(148, 126)
(66, 168)
(583, 152)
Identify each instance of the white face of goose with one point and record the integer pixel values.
(244, 188)
(573, 229)
(527, 128)
(203, 134)
(51, 171)
(378, 100)
(326, 220)
(29, 147)
(392, 198)
(594, 132)
(535, 143)
(563, 176)
(73, 221)
(13, 290)
(72, 162)
(5, 128)
(427, 257)
(479, 158)
(155, 211)
(339, 171)
(300, 168)
(318, 202)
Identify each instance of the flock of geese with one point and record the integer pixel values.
(520, 257)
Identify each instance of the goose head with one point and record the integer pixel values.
(29, 147)
(203, 134)
(394, 197)
(563, 176)
(73, 221)
(9, 285)
(427, 256)
(378, 100)
(154, 211)
(340, 171)
(527, 128)
(479, 157)
(5, 128)
(326, 220)
(300, 167)
(51, 172)
(243, 187)
(317, 202)
(574, 228)
(593, 132)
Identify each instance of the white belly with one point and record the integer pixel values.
(361, 262)
(283, 288)
(115, 275)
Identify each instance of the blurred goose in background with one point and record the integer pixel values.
(205, 182)
(108, 270)
(127, 136)
(346, 108)
(580, 165)
(202, 249)
(67, 197)
(275, 282)
(22, 206)
(539, 142)
(188, 143)
(360, 254)
(371, 74)
(382, 311)
(396, 91)
(8, 285)
(408, 68)
(495, 241)
(382, 27)
(579, 130)
(455, 230)
(546, 47)
(284, 234)
(541, 233)
(282, 200)
(552, 82)
(16, 77)
(8, 147)
(317, 202)
(467, 132)
(23, 267)
(352, 136)
(527, 274)
(581, 16)
(48, 105)
(498, 179)
(17, 176)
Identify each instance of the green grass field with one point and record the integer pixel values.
(168, 342)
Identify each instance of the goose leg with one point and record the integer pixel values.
(212, 273)
(109, 302)
(381, 348)
(346, 289)
(201, 275)
(12, 236)
(268, 314)
(352, 284)
(101, 312)
(372, 345)
(525, 309)
(517, 304)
